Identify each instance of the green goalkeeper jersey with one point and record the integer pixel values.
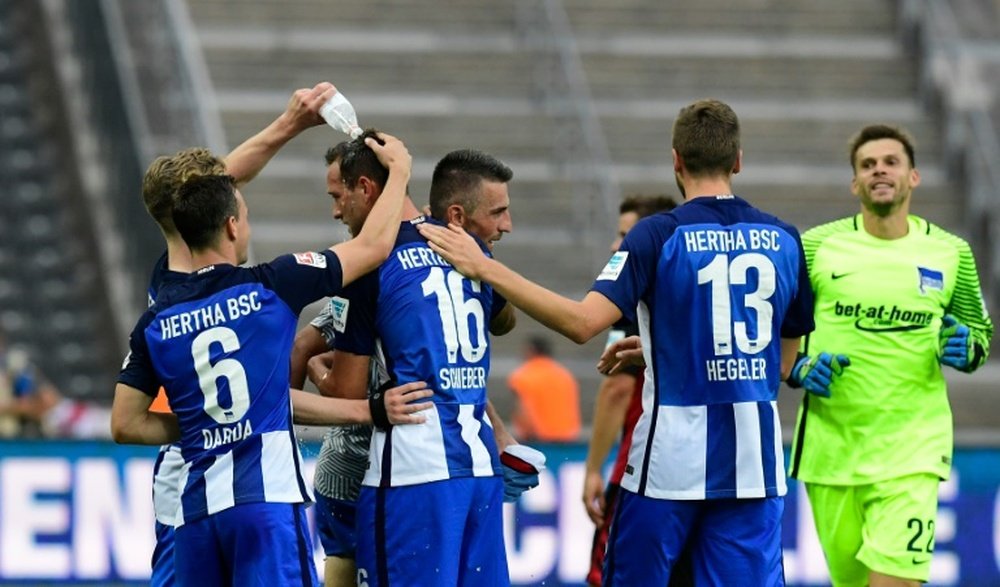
(880, 302)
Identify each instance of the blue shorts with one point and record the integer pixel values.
(247, 544)
(441, 533)
(335, 525)
(731, 541)
(163, 557)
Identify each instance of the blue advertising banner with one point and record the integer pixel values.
(81, 513)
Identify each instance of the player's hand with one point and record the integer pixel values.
(457, 247)
(521, 465)
(392, 406)
(816, 374)
(391, 152)
(593, 497)
(955, 344)
(302, 111)
(318, 369)
(621, 354)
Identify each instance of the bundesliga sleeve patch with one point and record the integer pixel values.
(614, 267)
(338, 311)
(312, 259)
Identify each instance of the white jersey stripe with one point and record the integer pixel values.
(167, 485)
(779, 452)
(749, 459)
(182, 482)
(219, 484)
(276, 458)
(482, 466)
(678, 474)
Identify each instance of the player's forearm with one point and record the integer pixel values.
(609, 416)
(149, 428)
(500, 433)
(309, 409)
(247, 160)
(789, 352)
(565, 316)
(504, 321)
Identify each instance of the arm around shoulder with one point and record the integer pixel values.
(133, 423)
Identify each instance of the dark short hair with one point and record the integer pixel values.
(357, 160)
(643, 206)
(540, 346)
(707, 137)
(202, 206)
(457, 178)
(874, 132)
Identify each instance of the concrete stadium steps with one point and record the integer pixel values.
(463, 74)
(770, 136)
(783, 79)
(764, 17)
(515, 135)
(802, 76)
(465, 15)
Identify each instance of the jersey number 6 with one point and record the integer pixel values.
(231, 369)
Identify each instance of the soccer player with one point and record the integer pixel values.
(713, 285)
(220, 342)
(469, 188)
(427, 322)
(897, 299)
(160, 183)
(617, 407)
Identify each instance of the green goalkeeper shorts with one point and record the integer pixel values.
(886, 527)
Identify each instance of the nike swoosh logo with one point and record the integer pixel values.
(838, 276)
(916, 561)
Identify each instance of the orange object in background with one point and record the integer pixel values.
(548, 398)
(160, 404)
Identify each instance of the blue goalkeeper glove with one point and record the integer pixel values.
(815, 374)
(955, 345)
(521, 465)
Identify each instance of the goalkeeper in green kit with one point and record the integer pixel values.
(897, 301)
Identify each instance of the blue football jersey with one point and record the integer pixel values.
(431, 324)
(169, 465)
(713, 286)
(219, 341)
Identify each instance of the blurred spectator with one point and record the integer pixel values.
(31, 406)
(548, 408)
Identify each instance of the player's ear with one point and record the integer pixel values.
(678, 162)
(232, 228)
(455, 214)
(739, 162)
(369, 188)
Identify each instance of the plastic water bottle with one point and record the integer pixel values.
(339, 113)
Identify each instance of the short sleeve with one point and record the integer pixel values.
(302, 278)
(137, 369)
(354, 316)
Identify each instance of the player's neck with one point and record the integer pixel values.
(895, 225)
(410, 210)
(707, 187)
(218, 256)
(178, 254)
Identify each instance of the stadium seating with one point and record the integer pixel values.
(50, 299)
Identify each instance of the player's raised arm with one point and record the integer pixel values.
(372, 245)
(578, 321)
(301, 113)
